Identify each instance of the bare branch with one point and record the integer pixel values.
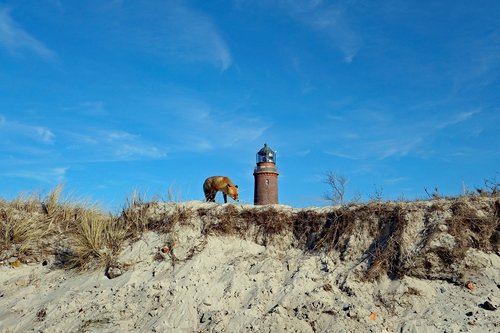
(337, 184)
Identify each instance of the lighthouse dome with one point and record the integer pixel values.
(266, 154)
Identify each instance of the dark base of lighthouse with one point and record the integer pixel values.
(266, 188)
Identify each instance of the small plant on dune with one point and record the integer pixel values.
(95, 241)
(23, 225)
(433, 195)
(135, 216)
(136, 200)
(378, 194)
(491, 188)
(472, 230)
(51, 204)
(173, 196)
(27, 203)
(20, 230)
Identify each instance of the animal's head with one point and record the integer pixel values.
(232, 191)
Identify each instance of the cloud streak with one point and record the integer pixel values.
(194, 35)
(43, 175)
(173, 31)
(457, 118)
(201, 127)
(383, 137)
(14, 131)
(15, 40)
(330, 20)
(93, 145)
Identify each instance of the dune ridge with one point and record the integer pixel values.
(419, 266)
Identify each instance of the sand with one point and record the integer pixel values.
(230, 284)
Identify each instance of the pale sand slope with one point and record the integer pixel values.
(236, 285)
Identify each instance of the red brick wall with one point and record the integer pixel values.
(266, 188)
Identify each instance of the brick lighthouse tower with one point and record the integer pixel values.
(266, 177)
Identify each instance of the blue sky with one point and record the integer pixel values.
(108, 97)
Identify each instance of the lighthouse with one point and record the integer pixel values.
(266, 177)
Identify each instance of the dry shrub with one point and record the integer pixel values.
(226, 221)
(21, 230)
(24, 224)
(95, 242)
(31, 227)
(51, 204)
(385, 254)
(164, 222)
(306, 227)
(324, 231)
(135, 215)
(472, 225)
(26, 203)
(262, 224)
(269, 222)
(181, 214)
(474, 231)
(136, 220)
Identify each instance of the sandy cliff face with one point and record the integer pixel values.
(383, 267)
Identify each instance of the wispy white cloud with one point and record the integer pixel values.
(330, 20)
(111, 145)
(16, 40)
(195, 36)
(198, 126)
(478, 62)
(378, 148)
(75, 143)
(88, 108)
(14, 131)
(395, 147)
(391, 181)
(175, 31)
(457, 118)
(124, 145)
(45, 135)
(343, 155)
(381, 135)
(43, 174)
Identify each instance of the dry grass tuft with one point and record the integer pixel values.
(20, 231)
(473, 230)
(95, 242)
(51, 204)
(34, 228)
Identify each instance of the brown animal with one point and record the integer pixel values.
(214, 184)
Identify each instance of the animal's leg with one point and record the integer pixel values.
(210, 197)
(225, 197)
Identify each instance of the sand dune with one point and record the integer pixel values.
(203, 277)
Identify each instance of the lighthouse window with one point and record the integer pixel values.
(267, 182)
